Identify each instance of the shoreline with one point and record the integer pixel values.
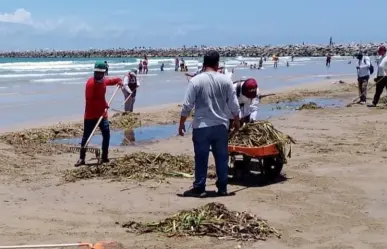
(161, 114)
(297, 50)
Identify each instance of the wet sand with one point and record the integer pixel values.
(333, 197)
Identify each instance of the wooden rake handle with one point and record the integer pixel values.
(49, 246)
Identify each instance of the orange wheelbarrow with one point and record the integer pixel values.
(267, 160)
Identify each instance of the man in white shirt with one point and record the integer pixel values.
(248, 95)
(130, 89)
(363, 75)
(381, 79)
(247, 92)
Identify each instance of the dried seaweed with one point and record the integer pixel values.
(43, 135)
(383, 100)
(139, 166)
(125, 120)
(261, 133)
(213, 220)
(309, 106)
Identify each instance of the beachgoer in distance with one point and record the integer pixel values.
(162, 67)
(328, 60)
(363, 75)
(182, 65)
(381, 77)
(140, 67)
(276, 59)
(145, 65)
(130, 89)
(107, 68)
(213, 96)
(95, 108)
(176, 64)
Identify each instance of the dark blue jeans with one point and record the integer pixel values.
(88, 126)
(216, 138)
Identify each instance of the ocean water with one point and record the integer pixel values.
(40, 90)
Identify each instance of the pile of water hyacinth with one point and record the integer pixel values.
(213, 220)
(138, 165)
(261, 133)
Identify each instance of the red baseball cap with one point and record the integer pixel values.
(249, 88)
(382, 48)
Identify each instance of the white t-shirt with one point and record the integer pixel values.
(364, 67)
(382, 65)
(250, 106)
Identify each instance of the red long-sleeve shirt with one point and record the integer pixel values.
(95, 97)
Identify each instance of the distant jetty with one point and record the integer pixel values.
(298, 50)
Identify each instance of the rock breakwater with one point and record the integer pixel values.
(197, 51)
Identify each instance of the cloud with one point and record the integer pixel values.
(24, 17)
(20, 16)
(23, 30)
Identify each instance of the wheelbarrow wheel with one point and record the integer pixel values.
(272, 167)
(241, 168)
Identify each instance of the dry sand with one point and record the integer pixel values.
(334, 197)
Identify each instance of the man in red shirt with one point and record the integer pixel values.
(95, 107)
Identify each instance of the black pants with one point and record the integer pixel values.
(382, 83)
(88, 127)
(362, 85)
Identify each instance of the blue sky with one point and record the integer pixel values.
(80, 24)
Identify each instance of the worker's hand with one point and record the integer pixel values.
(181, 129)
(357, 67)
(120, 84)
(236, 125)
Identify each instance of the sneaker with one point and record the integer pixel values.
(80, 162)
(371, 105)
(195, 192)
(362, 102)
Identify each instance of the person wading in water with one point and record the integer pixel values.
(130, 89)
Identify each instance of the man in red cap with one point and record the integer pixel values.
(381, 79)
(247, 92)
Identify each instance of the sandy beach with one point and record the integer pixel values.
(332, 195)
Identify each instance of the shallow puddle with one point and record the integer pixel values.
(132, 136)
(148, 134)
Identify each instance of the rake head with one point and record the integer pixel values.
(96, 151)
